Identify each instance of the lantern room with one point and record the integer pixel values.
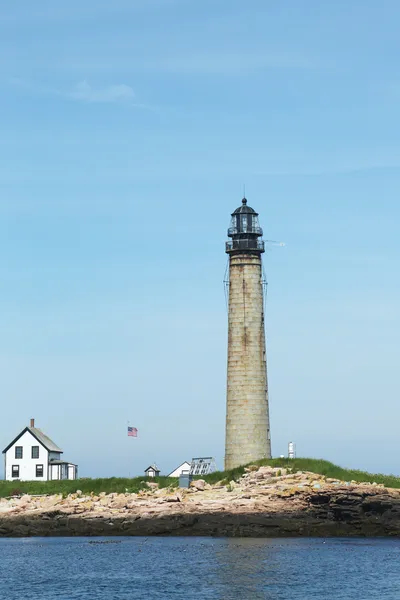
(245, 231)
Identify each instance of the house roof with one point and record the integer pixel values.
(55, 461)
(41, 437)
(185, 462)
(44, 439)
(152, 468)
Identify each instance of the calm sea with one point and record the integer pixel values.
(124, 568)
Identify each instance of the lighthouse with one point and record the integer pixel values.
(247, 411)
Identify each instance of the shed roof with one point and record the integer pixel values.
(152, 468)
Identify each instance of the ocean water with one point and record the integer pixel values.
(217, 568)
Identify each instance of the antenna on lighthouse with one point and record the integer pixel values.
(274, 243)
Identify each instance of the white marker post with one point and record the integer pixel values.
(291, 450)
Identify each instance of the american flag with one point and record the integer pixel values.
(132, 431)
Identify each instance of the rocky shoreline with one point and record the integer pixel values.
(265, 502)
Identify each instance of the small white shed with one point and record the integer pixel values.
(152, 471)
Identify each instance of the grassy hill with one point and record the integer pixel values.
(122, 485)
(86, 485)
(315, 465)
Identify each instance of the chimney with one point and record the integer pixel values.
(32, 422)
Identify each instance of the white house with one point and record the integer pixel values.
(185, 466)
(32, 456)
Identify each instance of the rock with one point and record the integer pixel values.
(50, 501)
(119, 501)
(152, 485)
(278, 472)
(271, 479)
(198, 484)
(259, 475)
(260, 504)
(268, 470)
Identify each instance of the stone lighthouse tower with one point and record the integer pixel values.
(247, 414)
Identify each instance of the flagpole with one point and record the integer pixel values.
(131, 432)
(127, 430)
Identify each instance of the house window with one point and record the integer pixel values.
(15, 471)
(35, 451)
(18, 451)
(39, 470)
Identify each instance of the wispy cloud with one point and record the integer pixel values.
(189, 63)
(44, 13)
(84, 92)
(114, 94)
(221, 62)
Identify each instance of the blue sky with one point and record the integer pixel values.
(127, 132)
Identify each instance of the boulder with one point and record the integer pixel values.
(267, 470)
(152, 485)
(119, 502)
(198, 484)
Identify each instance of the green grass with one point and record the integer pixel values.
(121, 485)
(319, 466)
(86, 485)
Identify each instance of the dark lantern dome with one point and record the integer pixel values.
(245, 231)
(244, 209)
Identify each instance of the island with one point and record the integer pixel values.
(264, 501)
